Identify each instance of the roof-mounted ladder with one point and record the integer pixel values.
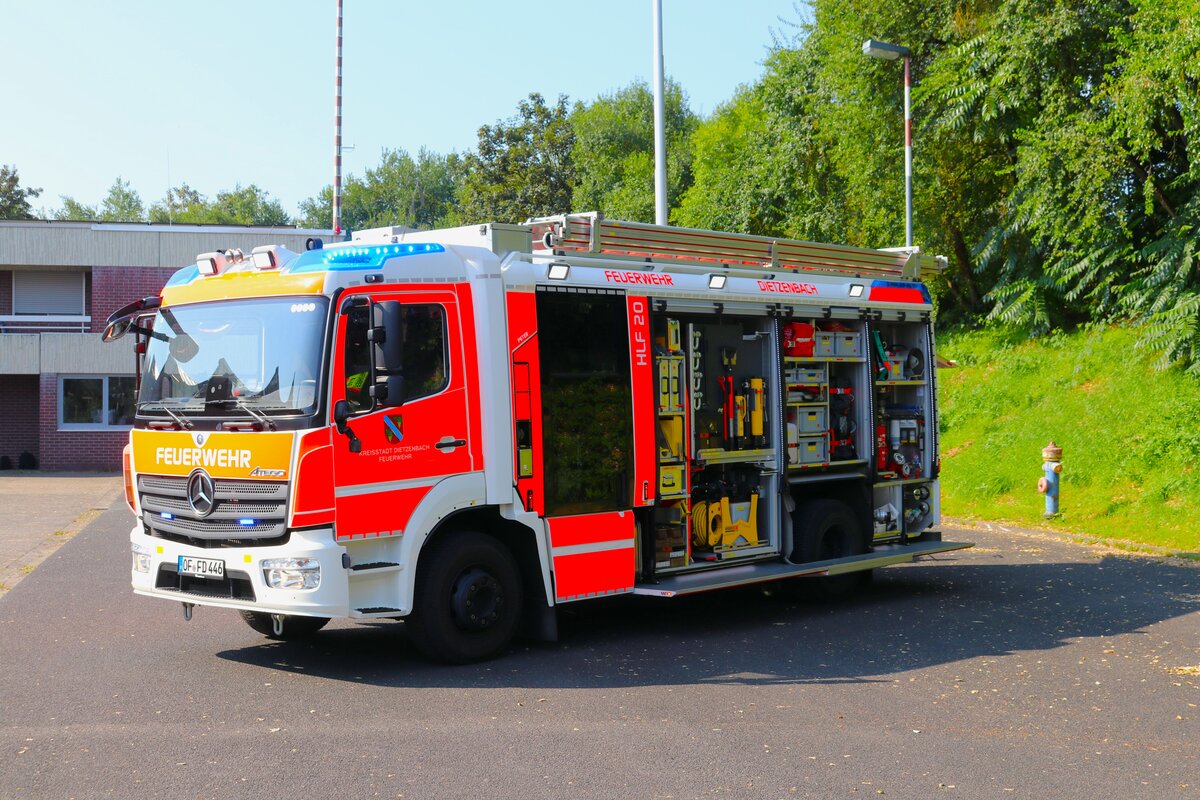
(591, 234)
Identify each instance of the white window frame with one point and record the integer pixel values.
(90, 426)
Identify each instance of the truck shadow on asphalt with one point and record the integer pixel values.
(909, 618)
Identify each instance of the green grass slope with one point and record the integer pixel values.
(1130, 435)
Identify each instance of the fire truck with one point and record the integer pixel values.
(466, 428)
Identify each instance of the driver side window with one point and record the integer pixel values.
(358, 358)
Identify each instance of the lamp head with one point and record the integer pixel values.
(877, 49)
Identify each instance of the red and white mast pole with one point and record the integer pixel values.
(337, 131)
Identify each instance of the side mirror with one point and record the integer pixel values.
(115, 330)
(341, 416)
(387, 352)
(122, 320)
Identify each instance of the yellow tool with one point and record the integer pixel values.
(756, 411)
(741, 532)
(707, 528)
(670, 437)
(674, 344)
(714, 523)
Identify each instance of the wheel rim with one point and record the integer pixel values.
(476, 599)
(833, 544)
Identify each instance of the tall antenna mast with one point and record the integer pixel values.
(337, 131)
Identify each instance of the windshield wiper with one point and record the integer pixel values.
(262, 418)
(183, 422)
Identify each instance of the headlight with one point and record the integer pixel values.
(292, 573)
(141, 559)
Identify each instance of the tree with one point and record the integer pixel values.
(417, 193)
(614, 151)
(121, 204)
(522, 167)
(72, 209)
(247, 205)
(14, 200)
(761, 162)
(180, 204)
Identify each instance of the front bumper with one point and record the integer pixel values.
(244, 586)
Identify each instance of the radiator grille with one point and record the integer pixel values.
(243, 512)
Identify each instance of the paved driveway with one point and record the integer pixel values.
(1027, 667)
(40, 511)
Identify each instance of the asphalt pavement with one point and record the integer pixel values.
(39, 511)
(1026, 667)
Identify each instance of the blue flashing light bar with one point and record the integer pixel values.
(185, 275)
(246, 521)
(352, 258)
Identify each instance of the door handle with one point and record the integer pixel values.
(450, 444)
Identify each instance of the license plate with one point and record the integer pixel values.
(201, 567)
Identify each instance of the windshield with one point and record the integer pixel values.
(225, 357)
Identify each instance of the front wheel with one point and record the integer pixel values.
(293, 627)
(467, 600)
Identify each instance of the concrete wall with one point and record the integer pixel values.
(20, 354)
(36, 243)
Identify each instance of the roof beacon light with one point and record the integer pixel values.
(211, 263)
(264, 257)
(716, 281)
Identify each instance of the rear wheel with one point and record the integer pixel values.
(468, 598)
(827, 529)
(294, 627)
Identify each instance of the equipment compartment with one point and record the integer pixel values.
(902, 399)
(826, 395)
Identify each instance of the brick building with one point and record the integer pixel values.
(66, 398)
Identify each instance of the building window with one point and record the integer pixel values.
(48, 293)
(95, 401)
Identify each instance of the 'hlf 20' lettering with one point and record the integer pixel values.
(641, 346)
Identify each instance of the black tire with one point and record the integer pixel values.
(294, 627)
(826, 529)
(467, 600)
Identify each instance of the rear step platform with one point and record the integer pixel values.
(708, 580)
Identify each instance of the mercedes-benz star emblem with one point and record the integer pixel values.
(200, 493)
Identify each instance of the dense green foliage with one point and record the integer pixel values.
(523, 167)
(1131, 445)
(182, 204)
(414, 192)
(614, 151)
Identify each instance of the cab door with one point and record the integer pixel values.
(415, 441)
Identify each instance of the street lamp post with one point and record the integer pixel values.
(660, 139)
(890, 52)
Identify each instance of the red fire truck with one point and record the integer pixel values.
(465, 428)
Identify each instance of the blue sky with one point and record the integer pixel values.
(218, 92)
